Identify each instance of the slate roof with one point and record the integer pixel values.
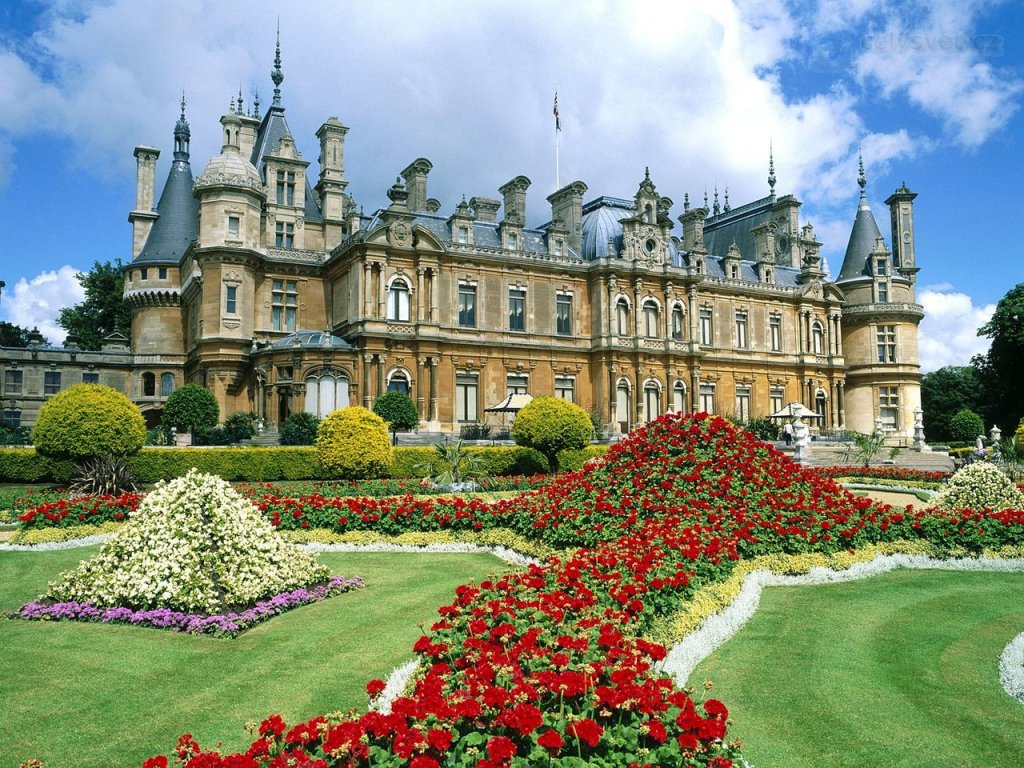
(736, 226)
(272, 129)
(865, 233)
(177, 227)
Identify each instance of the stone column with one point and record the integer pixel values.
(421, 387)
(367, 289)
(381, 379)
(841, 394)
(420, 297)
(637, 287)
(367, 362)
(432, 280)
(693, 311)
(609, 315)
(381, 313)
(695, 390)
(433, 387)
(613, 395)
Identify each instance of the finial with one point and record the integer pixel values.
(183, 105)
(686, 201)
(277, 75)
(182, 134)
(862, 180)
(240, 110)
(647, 173)
(256, 105)
(771, 169)
(705, 198)
(726, 208)
(717, 209)
(231, 106)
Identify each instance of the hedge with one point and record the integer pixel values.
(23, 465)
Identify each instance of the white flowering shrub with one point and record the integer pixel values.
(980, 486)
(193, 545)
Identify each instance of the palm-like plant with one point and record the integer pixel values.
(455, 464)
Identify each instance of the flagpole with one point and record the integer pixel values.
(558, 141)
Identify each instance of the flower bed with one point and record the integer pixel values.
(550, 666)
(65, 512)
(219, 625)
(886, 473)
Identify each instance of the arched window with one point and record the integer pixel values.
(652, 400)
(398, 301)
(622, 400)
(817, 338)
(148, 384)
(651, 318)
(679, 397)
(399, 382)
(678, 320)
(622, 318)
(821, 407)
(326, 391)
(166, 384)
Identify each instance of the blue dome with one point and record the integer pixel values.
(601, 227)
(311, 339)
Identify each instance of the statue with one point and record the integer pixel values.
(802, 439)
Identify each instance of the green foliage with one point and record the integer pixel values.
(89, 420)
(761, 427)
(299, 429)
(15, 435)
(12, 335)
(189, 407)
(966, 425)
(551, 424)
(398, 410)
(476, 431)
(103, 310)
(240, 426)
(945, 392)
(1001, 369)
(104, 475)
(352, 443)
(866, 448)
(454, 464)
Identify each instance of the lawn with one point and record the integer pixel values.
(899, 670)
(91, 695)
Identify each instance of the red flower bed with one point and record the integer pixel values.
(86, 510)
(886, 473)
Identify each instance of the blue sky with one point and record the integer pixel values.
(929, 91)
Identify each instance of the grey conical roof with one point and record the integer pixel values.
(177, 226)
(863, 240)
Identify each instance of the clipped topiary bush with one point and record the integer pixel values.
(551, 424)
(89, 420)
(191, 407)
(398, 410)
(299, 429)
(352, 444)
(966, 425)
(979, 486)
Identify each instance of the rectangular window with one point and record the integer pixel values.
(463, 235)
(651, 320)
(707, 337)
(559, 247)
(13, 382)
(144, 274)
(284, 235)
(517, 384)
(516, 309)
(707, 398)
(883, 292)
(880, 267)
(565, 388)
(162, 273)
(231, 300)
(885, 336)
(51, 382)
(284, 373)
(465, 397)
(234, 227)
(776, 399)
(743, 402)
(563, 314)
(677, 323)
(12, 418)
(467, 305)
(889, 407)
(90, 378)
(741, 329)
(513, 241)
(775, 333)
(285, 188)
(284, 305)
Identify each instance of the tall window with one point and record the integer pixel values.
(517, 384)
(399, 382)
(889, 406)
(883, 292)
(234, 227)
(743, 402)
(817, 338)
(398, 301)
(707, 398)
(284, 235)
(13, 381)
(679, 397)
(880, 267)
(231, 300)
(166, 384)
(707, 337)
(652, 401)
(148, 384)
(284, 305)
(677, 322)
(885, 336)
(90, 377)
(565, 387)
(463, 235)
(775, 333)
(285, 188)
(467, 305)
(651, 317)
(162, 273)
(741, 329)
(51, 382)
(563, 314)
(516, 309)
(326, 391)
(622, 400)
(776, 398)
(465, 397)
(622, 318)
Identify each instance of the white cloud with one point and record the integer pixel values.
(36, 303)
(948, 335)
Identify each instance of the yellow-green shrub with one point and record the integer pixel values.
(89, 420)
(551, 425)
(352, 444)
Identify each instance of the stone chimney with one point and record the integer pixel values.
(415, 176)
(485, 209)
(144, 215)
(514, 195)
(567, 206)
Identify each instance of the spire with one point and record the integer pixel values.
(864, 238)
(771, 170)
(277, 75)
(240, 110)
(182, 134)
(256, 105)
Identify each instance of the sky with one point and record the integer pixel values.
(928, 92)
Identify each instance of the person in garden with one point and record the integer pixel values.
(979, 448)
(787, 433)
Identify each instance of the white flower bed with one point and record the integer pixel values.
(979, 486)
(85, 541)
(510, 556)
(685, 655)
(395, 686)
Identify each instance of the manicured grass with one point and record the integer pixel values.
(84, 695)
(899, 670)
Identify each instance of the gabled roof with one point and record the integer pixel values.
(272, 129)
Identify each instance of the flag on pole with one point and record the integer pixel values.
(558, 123)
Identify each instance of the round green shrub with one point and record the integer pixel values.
(550, 425)
(966, 425)
(398, 410)
(352, 444)
(240, 426)
(299, 429)
(189, 407)
(89, 420)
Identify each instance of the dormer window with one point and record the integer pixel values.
(285, 188)
(880, 267)
(734, 271)
(513, 241)
(463, 235)
(559, 247)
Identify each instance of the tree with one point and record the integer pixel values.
(89, 420)
(103, 310)
(551, 424)
(944, 393)
(965, 426)
(399, 411)
(191, 407)
(299, 429)
(1001, 369)
(12, 335)
(352, 444)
